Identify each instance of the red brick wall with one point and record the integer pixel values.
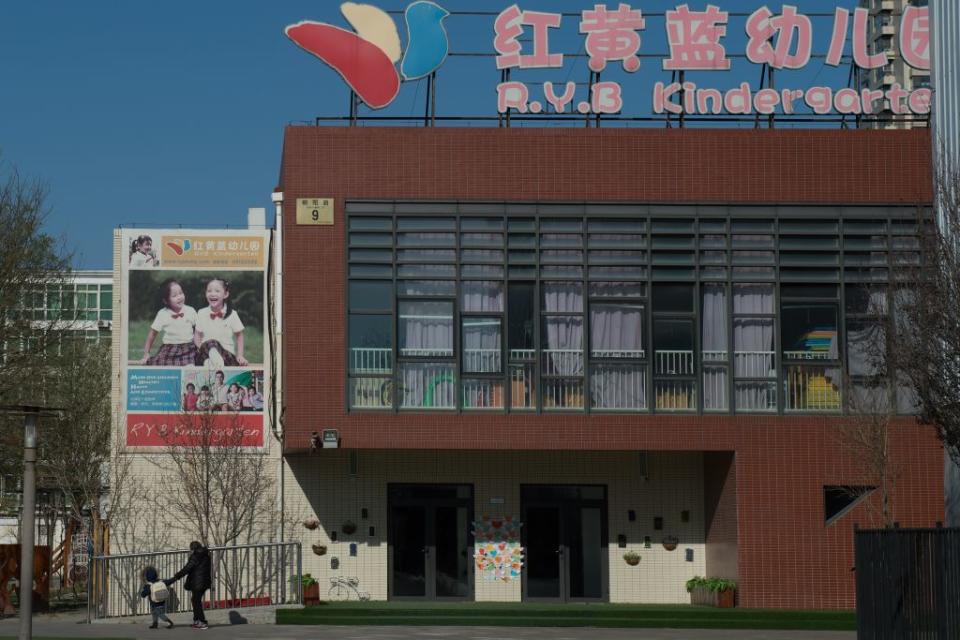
(786, 556)
(720, 513)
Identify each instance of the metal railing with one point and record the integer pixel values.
(618, 387)
(481, 360)
(563, 362)
(371, 360)
(243, 576)
(754, 364)
(673, 362)
(811, 388)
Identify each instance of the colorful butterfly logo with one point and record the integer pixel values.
(366, 59)
(179, 247)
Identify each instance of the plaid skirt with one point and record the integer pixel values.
(174, 355)
(229, 360)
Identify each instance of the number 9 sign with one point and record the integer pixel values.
(315, 211)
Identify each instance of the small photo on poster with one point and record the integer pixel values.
(196, 318)
(141, 253)
(222, 390)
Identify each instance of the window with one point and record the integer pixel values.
(675, 387)
(838, 500)
(715, 344)
(754, 357)
(810, 345)
(625, 308)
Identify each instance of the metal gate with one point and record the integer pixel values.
(908, 584)
(242, 576)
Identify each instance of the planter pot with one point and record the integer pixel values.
(319, 549)
(311, 523)
(311, 594)
(632, 560)
(670, 543)
(348, 527)
(707, 597)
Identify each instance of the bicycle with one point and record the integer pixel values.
(342, 587)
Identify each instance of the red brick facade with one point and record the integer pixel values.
(786, 557)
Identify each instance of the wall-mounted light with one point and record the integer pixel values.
(331, 439)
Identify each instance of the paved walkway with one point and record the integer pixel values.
(74, 626)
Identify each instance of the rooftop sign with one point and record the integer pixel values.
(613, 40)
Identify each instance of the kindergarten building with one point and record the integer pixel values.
(512, 356)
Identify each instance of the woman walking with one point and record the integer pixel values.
(197, 571)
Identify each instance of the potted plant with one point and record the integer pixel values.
(311, 523)
(311, 589)
(319, 549)
(632, 558)
(712, 592)
(348, 527)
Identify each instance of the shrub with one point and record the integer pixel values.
(712, 584)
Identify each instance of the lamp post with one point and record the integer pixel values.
(28, 520)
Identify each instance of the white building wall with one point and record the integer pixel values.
(321, 485)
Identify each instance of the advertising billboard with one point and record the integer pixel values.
(194, 337)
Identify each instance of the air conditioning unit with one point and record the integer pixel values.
(104, 324)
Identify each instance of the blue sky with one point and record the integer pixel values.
(172, 113)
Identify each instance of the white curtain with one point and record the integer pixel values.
(866, 341)
(426, 327)
(482, 296)
(754, 346)
(564, 344)
(618, 387)
(752, 298)
(714, 339)
(562, 297)
(481, 345)
(616, 328)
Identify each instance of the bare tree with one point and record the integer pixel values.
(926, 326)
(223, 491)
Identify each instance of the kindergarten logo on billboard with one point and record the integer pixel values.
(212, 251)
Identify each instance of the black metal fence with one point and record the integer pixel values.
(908, 584)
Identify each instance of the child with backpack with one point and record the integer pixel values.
(157, 592)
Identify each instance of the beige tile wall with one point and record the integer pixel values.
(321, 483)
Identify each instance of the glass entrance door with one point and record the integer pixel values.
(430, 541)
(564, 535)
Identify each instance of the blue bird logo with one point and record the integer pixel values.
(427, 42)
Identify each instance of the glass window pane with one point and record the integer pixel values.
(755, 396)
(371, 295)
(616, 331)
(715, 388)
(426, 328)
(482, 394)
(371, 255)
(481, 295)
(868, 397)
(560, 241)
(371, 343)
(562, 341)
(752, 298)
(426, 271)
(563, 393)
(427, 386)
(675, 395)
(371, 239)
(615, 386)
(812, 388)
(371, 393)
(618, 290)
(523, 391)
(753, 355)
(481, 224)
(805, 291)
(426, 239)
(489, 240)
(446, 288)
(866, 345)
(481, 255)
(809, 331)
(426, 255)
(672, 298)
(481, 345)
(562, 297)
(481, 271)
(866, 299)
(673, 344)
(713, 315)
(359, 223)
(520, 314)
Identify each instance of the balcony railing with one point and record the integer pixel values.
(674, 363)
(675, 395)
(754, 364)
(371, 360)
(482, 360)
(563, 394)
(811, 388)
(482, 394)
(632, 354)
(427, 386)
(523, 392)
(563, 362)
(371, 393)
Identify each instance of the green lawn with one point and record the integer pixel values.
(252, 338)
(564, 615)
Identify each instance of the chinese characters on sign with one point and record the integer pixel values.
(696, 43)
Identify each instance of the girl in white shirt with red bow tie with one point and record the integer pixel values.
(176, 321)
(219, 334)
